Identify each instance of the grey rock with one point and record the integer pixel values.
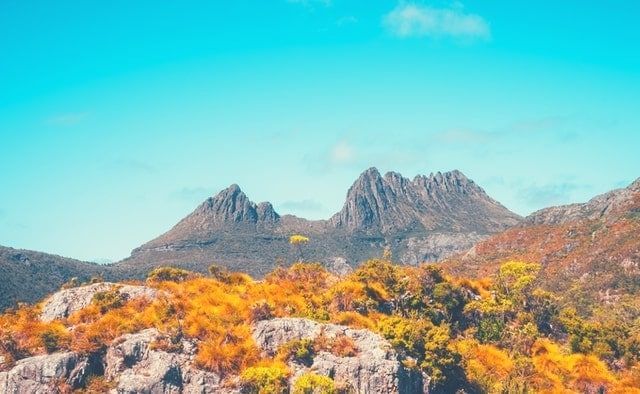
(376, 368)
(42, 374)
(65, 302)
(339, 266)
(436, 246)
(137, 368)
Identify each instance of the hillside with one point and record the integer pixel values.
(590, 251)
(27, 276)
(424, 219)
(382, 329)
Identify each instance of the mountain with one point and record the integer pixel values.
(27, 276)
(589, 251)
(424, 219)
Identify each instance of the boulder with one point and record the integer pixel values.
(65, 302)
(44, 374)
(136, 367)
(376, 368)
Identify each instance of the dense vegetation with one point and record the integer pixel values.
(495, 335)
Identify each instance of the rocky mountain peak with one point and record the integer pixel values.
(368, 199)
(378, 204)
(231, 205)
(228, 209)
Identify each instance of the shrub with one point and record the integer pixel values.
(299, 350)
(340, 345)
(50, 341)
(264, 380)
(71, 283)
(312, 383)
(169, 274)
(260, 311)
(96, 385)
(110, 299)
(219, 273)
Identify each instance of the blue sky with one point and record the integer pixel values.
(117, 118)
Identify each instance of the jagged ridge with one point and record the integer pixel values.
(426, 218)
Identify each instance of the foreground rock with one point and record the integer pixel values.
(137, 367)
(65, 302)
(45, 374)
(149, 362)
(375, 368)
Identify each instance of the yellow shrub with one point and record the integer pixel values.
(312, 383)
(265, 380)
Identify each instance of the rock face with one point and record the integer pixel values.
(43, 374)
(424, 219)
(449, 201)
(376, 368)
(136, 367)
(65, 302)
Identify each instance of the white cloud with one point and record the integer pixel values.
(342, 152)
(67, 119)
(413, 20)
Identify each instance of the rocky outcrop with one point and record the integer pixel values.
(135, 366)
(149, 362)
(65, 302)
(375, 368)
(45, 374)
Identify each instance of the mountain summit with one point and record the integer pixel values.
(442, 201)
(424, 219)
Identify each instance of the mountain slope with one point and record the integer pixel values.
(27, 276)
(590, 251)
(424, 219)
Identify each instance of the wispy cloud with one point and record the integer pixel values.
(539, 124)
(463, 136)
(341, 153)
(133, 164)
(414, 20)
(302, 206)
(67, 119)
(191, 194)
(551, 193)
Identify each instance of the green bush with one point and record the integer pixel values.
(110, 299)
(312, 383)
(169, 274)
(264, 380)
